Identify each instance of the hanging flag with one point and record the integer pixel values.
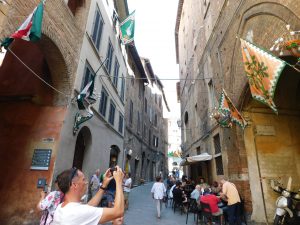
(263, 71)
(85, 113)
(30, 30)
(127, 29)
(231, 113)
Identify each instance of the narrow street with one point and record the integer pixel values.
(142, 210)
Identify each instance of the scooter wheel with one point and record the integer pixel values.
(278, 220)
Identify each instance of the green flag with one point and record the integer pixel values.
(127, 29)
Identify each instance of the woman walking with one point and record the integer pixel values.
(158, 192)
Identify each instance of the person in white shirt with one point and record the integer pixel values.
(95, 183)
(127, 187)
(158, 192)
(74, 184)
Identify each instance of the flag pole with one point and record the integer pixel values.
(100, 66)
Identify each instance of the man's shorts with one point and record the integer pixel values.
(126, 195)
(218, 213)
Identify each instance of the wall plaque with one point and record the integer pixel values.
(265, 130)
(41, 159)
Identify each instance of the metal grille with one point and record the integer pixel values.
(219, 165)
(217, 144)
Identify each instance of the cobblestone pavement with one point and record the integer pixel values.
(142, 210)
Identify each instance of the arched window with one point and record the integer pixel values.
(75, 4)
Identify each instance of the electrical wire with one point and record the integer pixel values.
(35, 74)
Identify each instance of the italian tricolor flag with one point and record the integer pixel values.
(31, 29)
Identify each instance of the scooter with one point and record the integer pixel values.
(288, 206)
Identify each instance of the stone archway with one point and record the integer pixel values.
(272, 141)
(32, 116)
(262, 23)
(83, 141)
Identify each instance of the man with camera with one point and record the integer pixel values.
(73, 184)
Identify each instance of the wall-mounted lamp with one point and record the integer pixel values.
(129, 152)
(179, 123)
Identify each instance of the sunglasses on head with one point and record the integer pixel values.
(73, 174)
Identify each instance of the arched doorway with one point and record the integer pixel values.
(83, 141)
(114, 155)
(143, 164)
(272, 141)
(32, 116)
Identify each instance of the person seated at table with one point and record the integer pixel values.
(196, 193)
(178, 195)
(212, 201)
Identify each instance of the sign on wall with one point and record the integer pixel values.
(41, 159)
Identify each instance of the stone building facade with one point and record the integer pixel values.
(146, 129)
(99, 142)
(209, 55)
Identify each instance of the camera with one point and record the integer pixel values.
(112, 169)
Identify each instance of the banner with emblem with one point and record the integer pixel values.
(230, 112)
(127, 29)
(263, 71)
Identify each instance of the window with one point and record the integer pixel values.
(155, 141)
(109, 55)
(155, 97)
(130, 112)
(123, 88)
(159, 100)
(155, 120)
(121, 119)
(141, 88)
(217, 144)
(103, 102)
(219, 165)
(138, 123)
(112, 109)
(144, 131)
(97, 28)
(150, 113)
(198, 150)
(74, 5)
(146, 107)
(88, 76)
(116, 73)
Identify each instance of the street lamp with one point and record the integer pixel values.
(179, 123)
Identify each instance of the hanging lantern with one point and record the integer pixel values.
(294, 47)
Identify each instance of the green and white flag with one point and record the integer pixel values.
(85, 100)
(127, 29)
(31, 28)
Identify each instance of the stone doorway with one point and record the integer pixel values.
(32, 116)
(82, 142)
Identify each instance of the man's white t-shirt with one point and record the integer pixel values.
(75, 213)
(159, 190)
(127, 184)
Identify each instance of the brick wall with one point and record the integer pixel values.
(216, 54)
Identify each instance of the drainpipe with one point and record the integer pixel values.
(260, 180)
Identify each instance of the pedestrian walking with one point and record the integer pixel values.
(95, 183)
(231, 195)
(73, 183)
(127, 187)
(49, 203)
(158, 192)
